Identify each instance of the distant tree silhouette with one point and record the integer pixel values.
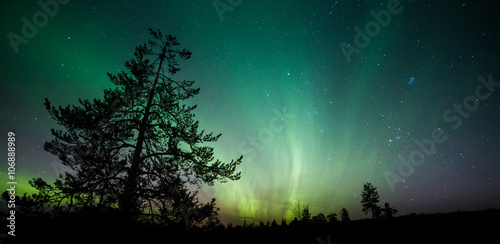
(306, 215)
(387, 211)
(344, 215)
(283, 222)
(320, 218)
(139, 148)
(297, 210)
(332, 217)
(261, 224)
(274, 223)
(369, 200)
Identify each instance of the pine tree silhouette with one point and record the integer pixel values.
(344, 215)
(369, 200)
(140, 147)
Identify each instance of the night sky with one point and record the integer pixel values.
(316, 108)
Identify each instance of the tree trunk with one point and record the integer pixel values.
(129, 201)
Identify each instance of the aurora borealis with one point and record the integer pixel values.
(311, 124)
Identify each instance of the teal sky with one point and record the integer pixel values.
(311, 125)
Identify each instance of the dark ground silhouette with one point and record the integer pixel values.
(101, 227)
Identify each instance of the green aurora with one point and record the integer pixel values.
(274, 81)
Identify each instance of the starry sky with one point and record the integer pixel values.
(319, 96)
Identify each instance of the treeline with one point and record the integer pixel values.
(305, 218)
(104, 225)
(302, 214)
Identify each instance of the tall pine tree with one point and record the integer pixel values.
(369, 200)
(139, 148)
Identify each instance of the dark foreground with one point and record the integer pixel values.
(459, 227)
